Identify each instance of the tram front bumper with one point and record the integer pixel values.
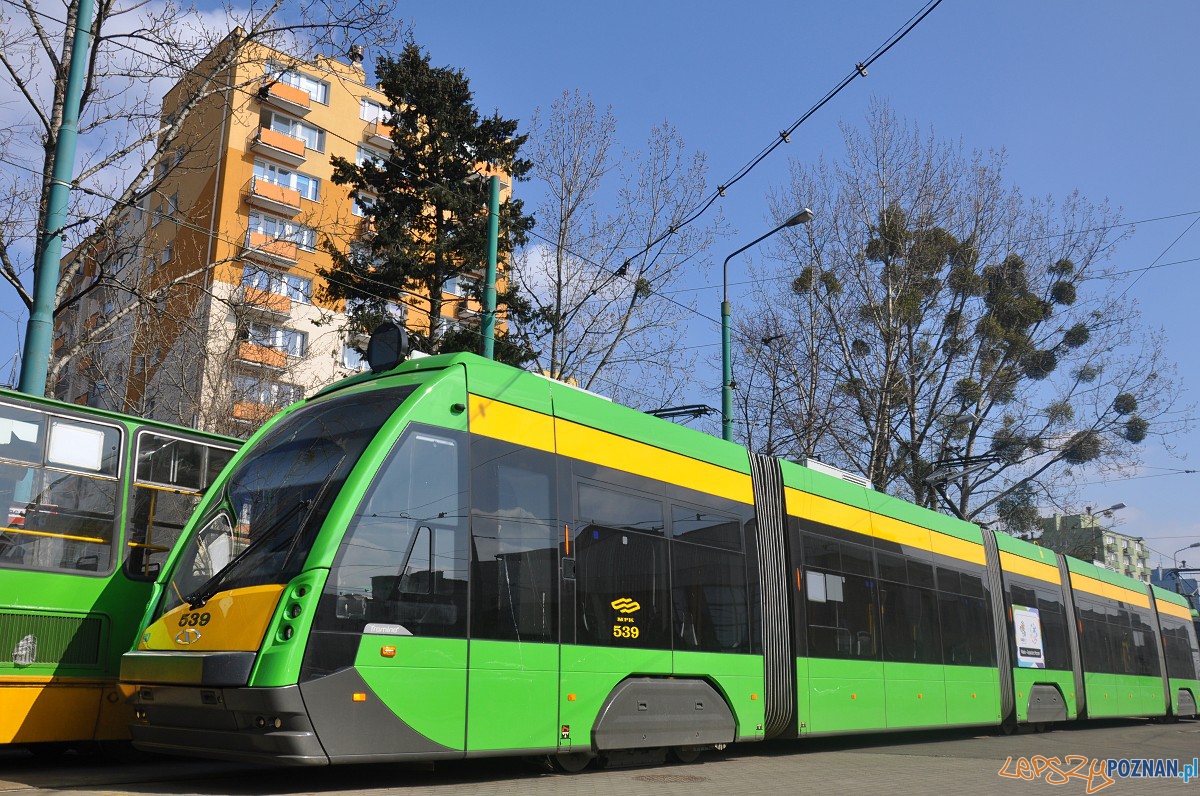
(268, 725)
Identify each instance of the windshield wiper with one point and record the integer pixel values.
(200, 596)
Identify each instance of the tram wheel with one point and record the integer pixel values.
(1041, 726)
(684, 754)
(1008, 727)
(569, 762)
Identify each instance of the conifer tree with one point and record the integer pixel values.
(428, 204)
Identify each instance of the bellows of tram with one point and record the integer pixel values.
(449, 557)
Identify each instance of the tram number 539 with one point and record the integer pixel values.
(192, 620)
(625, 631)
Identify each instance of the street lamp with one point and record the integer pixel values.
(803, 217)
(1180, 550)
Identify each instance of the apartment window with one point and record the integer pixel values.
(366, 154)
(292, 342)
(371, 111)
(168, 252)
(354, 359)
(1109, 540)
(252, 389)
(313, 137)
(173, 204)
(362, 205)
(458, 285)
(318, 90)
(309, 187)
(283, 229)
(296, 288)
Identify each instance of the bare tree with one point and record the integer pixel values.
(600, 282)
(964, 334)
(127, 145)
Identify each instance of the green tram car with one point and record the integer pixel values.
(453, 558)
(92, 502)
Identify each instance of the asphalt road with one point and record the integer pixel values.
(950, 762)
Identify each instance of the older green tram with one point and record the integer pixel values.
(453, 558)
(92, 502)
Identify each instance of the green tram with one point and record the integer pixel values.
(92, 502)
(452, 558)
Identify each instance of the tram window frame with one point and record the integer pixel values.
(514, 542)
(710, 605)
(1178, 651)
(398, 569)
(146, 550)
(1052, 617)
(839, 622)
(965, 614)
(57, 485)
(915, 636)
(618, 607)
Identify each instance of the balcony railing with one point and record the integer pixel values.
(256, 298)
(268, 249)
(278, 199)
(262, 355)
(252, 412)
(378, 134)
(278, 146)
(290, 99)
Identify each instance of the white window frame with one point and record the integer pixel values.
(370, 110)
(312, 136)
(308, 186)
(317, 90)
(283, 229)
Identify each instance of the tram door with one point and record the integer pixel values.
(513, 657)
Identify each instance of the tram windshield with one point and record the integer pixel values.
(273, 504)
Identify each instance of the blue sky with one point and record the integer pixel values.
(1096, 96)
(1091, 95)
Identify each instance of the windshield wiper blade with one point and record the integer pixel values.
(200, 596)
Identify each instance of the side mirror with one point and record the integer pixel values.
(387, 347)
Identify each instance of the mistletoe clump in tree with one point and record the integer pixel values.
(428, 205)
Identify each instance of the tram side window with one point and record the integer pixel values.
(1144, 648)
(839, 603)
(515, 541)
(1117, 639)
(169, 477)
(1178, 647)
(1047, 605)
(909, 616)
(403, 559)
(966, 619)
(621, 569)
(709, 583)
(58, 489)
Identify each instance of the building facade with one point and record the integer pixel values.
(229, 243)
(1083, 536)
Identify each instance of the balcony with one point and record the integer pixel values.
(278, 146)
(261, 355)
(265, 248)
(289, 99)
(378, 134)
(251, 412)
(265, 301)
(277, 199)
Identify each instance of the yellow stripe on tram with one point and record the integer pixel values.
(519, 426)
(1171, 609)
(1019, 565)
(1102, 589)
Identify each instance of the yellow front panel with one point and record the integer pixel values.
(36, 710)
(232, 621)
(609, 450)
(1019, 565)
(1102, 589)
(511, 424)
(1171, 609)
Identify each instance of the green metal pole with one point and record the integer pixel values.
(35, 361)
(489, 294)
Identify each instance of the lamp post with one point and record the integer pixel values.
(803, 217)
(1180, 550)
